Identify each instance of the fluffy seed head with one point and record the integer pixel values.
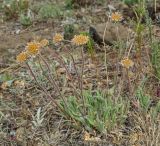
(22, 57)
(80, 39)
(116, 17)
(57, 38)
(127, 63)
(33, 47)
(44, 43)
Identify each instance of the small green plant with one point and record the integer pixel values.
(69, 31)
(90, 44)
(130, 2)
(144, 100)
(69, 4)
(100, 2)
(155, 58)
(96, 111)
(140, 13)
(50, 11)
(25, 20)
(5, 77)
(155, 111)
(149, 26)
(14, 8)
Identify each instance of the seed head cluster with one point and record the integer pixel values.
(33, 48)
(22, 57)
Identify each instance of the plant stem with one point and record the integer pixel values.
(70, 76)
(52, 79)
(82, 72)
(44, 90)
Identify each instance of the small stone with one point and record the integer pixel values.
(113, 32)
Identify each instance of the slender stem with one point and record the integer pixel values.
(52, 79)
(74, 65)
(155, 6)
(131, 46)
(82, 72)
(62, 63)
(129, 83)
(70, 76)
(106, 70)
(76, 70)
(105, 56)
(44, 90)
(104, 33)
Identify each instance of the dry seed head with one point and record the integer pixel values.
(80, 39)
(86, 136)
(44, 43)
(116, 17)
(127, 63)
(32, 48)
(57, 38)
(22, 57)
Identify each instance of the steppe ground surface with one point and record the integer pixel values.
(29, 118)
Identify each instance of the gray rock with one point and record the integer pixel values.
(114, 32)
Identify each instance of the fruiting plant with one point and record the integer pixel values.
(94, 112)
(103, 100)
